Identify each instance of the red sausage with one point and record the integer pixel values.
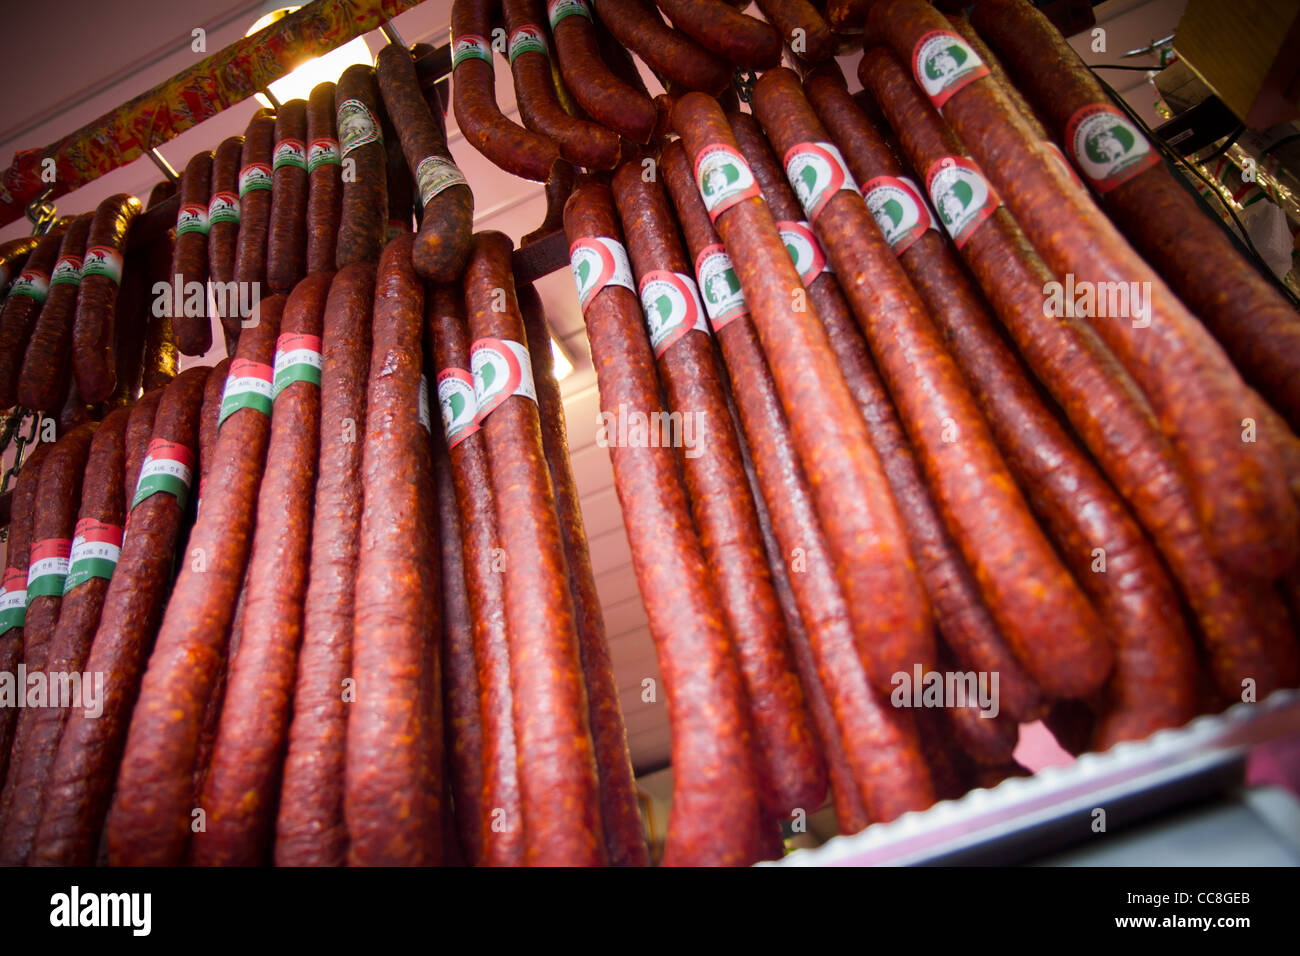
(674, 57)
(888, 606)
(240, 789)
(502, 824)
(390, 806)
(804, 30)
(364, 214)
(324, 180)
(286, 247)
(93, 329)
(746, 41)
(22, 306)
(223, 235)
(150, 820)
(255, 188)
(310, 829)
(46, 364)
(190, 255)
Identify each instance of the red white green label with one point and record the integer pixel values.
(323, 152)
(102, 261)
(434, 174)
(817, 172)
(248, 385)
(900, 212)
(723, 178)
(356, 125)
(168, 466)
(672, 308)
(528, 38)
(424, 416)
(193, 217)
(470, 47)
(458, 404)
(961, 195)
(48, 568)
(66, 270)
(501, 369)
(805, 250)
(223, 207)
(96, 547)
(557, 10)
(1108, 149)
(597, 262)
(254, 176)
(33, 284)
(943, 63)
(13, 599)
(297, 359)
(289, 152)
(719, 286)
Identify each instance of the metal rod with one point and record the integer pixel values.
(275, 104)
(161, 163)
(390, 31)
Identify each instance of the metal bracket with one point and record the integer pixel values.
(41, 213)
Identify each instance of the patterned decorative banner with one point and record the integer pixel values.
(190, 97)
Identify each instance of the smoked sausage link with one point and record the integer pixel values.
(93, 362)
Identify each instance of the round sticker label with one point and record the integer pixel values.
(470, 47)
(719, 286)
(672, 308)
(501, 368)
(289, 152)
(527, 39)
(900, 212)
(596, 262)
(434, 174)
(817, 172)
(254, 176)
(192, 217)
(33, 284)
(356, 125)
(458, 404)
(67, 269)
(804, 249)
(322, 152)
(943, 63)
(223, 207)
(723, 178)
(1108, 149)
(962, 196)
(102, 261)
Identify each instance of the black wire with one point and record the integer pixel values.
(1227, 144)
(1176, 157)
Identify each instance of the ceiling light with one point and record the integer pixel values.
(328, 67)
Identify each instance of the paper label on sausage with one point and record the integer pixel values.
(102, 261)
(557, 10)
(33, 284)
(425, 419)
(723, 178)
(357, 126)
(297, 359)
(528, 38)
(672, 308)
(289, 152)
(817, 172)
(223, 207)
(719, 286)
(434, 174)
(458, 404)
(1054, 153)
(501, 369)
(323, 152)
(66, 270)
(13, 599)
(254, 176)
(1107, 147)
(48, 568)
(248, 385)
(168, 466)
(962, 196)
(805, 250)
(470, 47)
(96, 547)
(900, 212)
(193, 217)
(599, 261)
(943, 63)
